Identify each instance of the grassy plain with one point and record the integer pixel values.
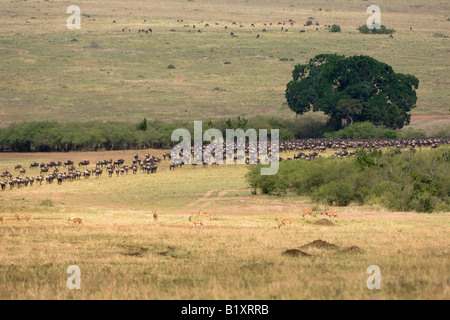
(99, 72)
(48, 72)
(124, 254)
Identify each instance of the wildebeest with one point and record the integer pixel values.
(34, 165)
(83, 163)
(68, 163)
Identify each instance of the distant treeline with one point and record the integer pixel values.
(47, 136)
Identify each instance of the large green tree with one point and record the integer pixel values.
(352, 89)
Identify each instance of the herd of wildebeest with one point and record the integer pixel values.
(307, 149)
(282, 26)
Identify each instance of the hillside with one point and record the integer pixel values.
(107, 70)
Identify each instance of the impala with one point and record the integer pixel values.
(307, 212)
(333, 214)
(205, 214)
(1, 219)
(17, 216)
(285, 221)
(197, 222)
(27, 217)
(155, 216)
(76, 220)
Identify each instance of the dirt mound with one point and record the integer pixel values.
(133, 251)
(320, 244)
(439, 35)
(324, 222)
(353, 249)
(296, 253)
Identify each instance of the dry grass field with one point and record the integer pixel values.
(124, 254)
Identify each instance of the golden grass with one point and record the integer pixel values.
(124, 254)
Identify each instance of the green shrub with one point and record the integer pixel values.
(335, 28)
(362, 130)
(383, 30)
(408, 180)
(335, 193)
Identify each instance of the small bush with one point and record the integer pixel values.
(170, 66)
(335, 28)
(382, 30)
(363, 130)
(335, 193)
(142, 125)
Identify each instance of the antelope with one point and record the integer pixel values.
(27, 217)
(332, 214)
(285, 221)
(197, 222)
(155, 216)
(1, 219)
(205, 214)
(17, 216)
(307, 212)
(76, 220)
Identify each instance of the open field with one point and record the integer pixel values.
(99, 72)
(124, 254)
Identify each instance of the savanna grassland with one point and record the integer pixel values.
(99, 72)
(124, 254)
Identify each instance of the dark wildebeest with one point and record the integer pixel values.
(34, 165)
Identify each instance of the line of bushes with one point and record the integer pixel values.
(47, 136)
(398, 180)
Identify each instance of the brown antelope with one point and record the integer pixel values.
(333, 214)
(76, 220)
(205, 214)
(307, 212)
(27, 217)
(196, 222)
(155, 216)
(17, 216)
(285, 221)
(1, 219)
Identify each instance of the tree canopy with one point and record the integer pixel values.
(354, 89)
